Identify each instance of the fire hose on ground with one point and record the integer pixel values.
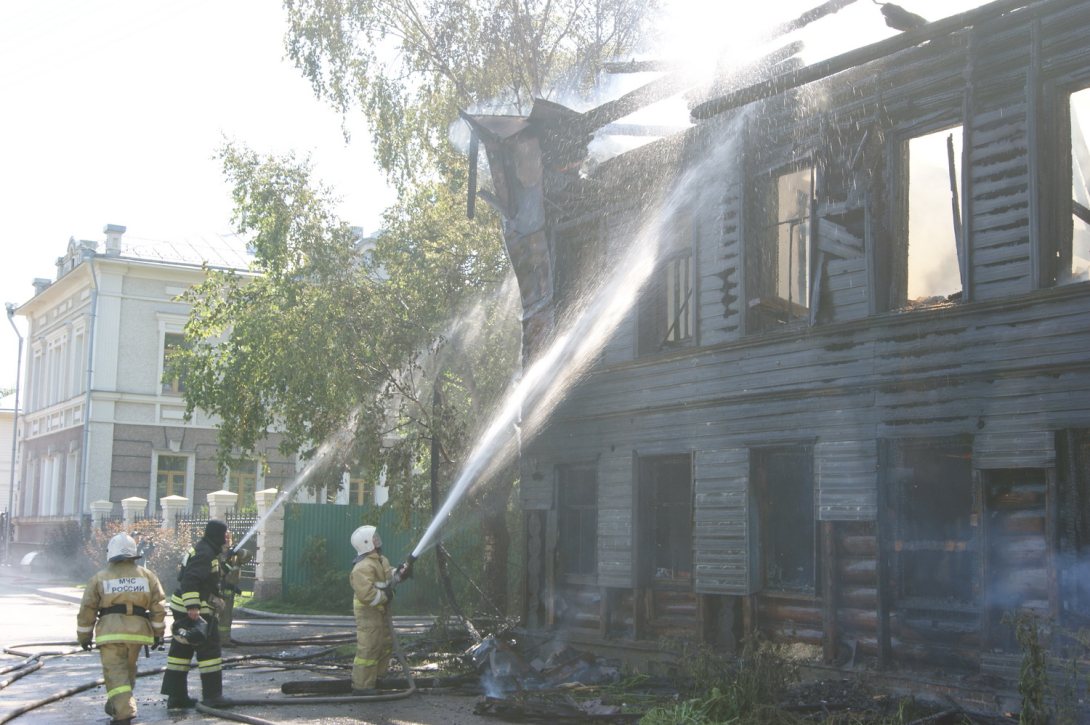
(34, 662)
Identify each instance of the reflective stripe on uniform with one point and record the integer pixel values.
(118, 691)
(365, 662)
(134, 638)
(85, 629)
(213, 665)
(178, 664)
(378, 598)
(191, 599)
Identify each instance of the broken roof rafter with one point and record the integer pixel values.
(854, 58)
(676, 80)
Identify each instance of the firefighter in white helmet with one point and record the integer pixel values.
(127, 601)
(371, 578)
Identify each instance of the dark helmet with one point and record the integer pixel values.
(215, 531)
(192, 631)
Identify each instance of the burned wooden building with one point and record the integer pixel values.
(851, 407)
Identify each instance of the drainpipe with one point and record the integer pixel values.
(90, 257)
(14, 434)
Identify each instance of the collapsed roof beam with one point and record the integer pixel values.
(671, 83)
(866, 54)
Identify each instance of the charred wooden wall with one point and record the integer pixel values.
(1004, 368)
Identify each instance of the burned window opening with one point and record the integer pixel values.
(577, 520)
(665, 537)
(784, 489)
(1073, 256)
(935, 520)
(667, 313)
(934, 267)
(780, 258)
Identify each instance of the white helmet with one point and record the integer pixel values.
(365, 539)
(121, 547)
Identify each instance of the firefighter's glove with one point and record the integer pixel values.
(85, 644)
(387, 588)
(403, 572)
(157, 643)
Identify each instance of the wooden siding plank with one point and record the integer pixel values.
(721, 535)
(1030, 449)
(847, 480)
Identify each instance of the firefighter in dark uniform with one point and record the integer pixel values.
(126, 600)
(195, 604)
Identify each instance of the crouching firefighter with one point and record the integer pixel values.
(373, 582)
(127, 601)
(194, 606)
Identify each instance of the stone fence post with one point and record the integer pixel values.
(99, 511)
(220, 503)
(172, 506)
(268, 578)
(133, 506)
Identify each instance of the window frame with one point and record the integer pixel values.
(761, 495)
(569, 476)
(648, 522)
(653, 324)
(758, 233)
(1055, 169)
(894, 269)
(187, 488)
(234, 474)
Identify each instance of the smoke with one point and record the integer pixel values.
(578, 340)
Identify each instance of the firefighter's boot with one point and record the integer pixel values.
(212, 690)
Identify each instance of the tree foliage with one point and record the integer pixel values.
(410, 65)
(328, 335)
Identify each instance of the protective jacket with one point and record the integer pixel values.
(198, 579)
(374, 642)
(370, 570)
(127, 601)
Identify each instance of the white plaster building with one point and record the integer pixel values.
(7, 430)
(99, 420)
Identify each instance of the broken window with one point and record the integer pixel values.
(784, 489)
(577, 520)
(666, 516)
(779, 257)
(1073, 258)
(935, 521)
(667, 315)
(933, 218)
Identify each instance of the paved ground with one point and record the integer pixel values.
(37, 610)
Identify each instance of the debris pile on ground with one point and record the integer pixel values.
(549, 707)
(549, 682)
(505, 669)
(851, 701)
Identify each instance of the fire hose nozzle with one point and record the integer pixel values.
(405, 571)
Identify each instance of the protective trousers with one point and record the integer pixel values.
(209, 663)
(373, 645)
(119, 673)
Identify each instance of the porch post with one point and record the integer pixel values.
(99, 511)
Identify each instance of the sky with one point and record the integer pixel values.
(114, 109)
